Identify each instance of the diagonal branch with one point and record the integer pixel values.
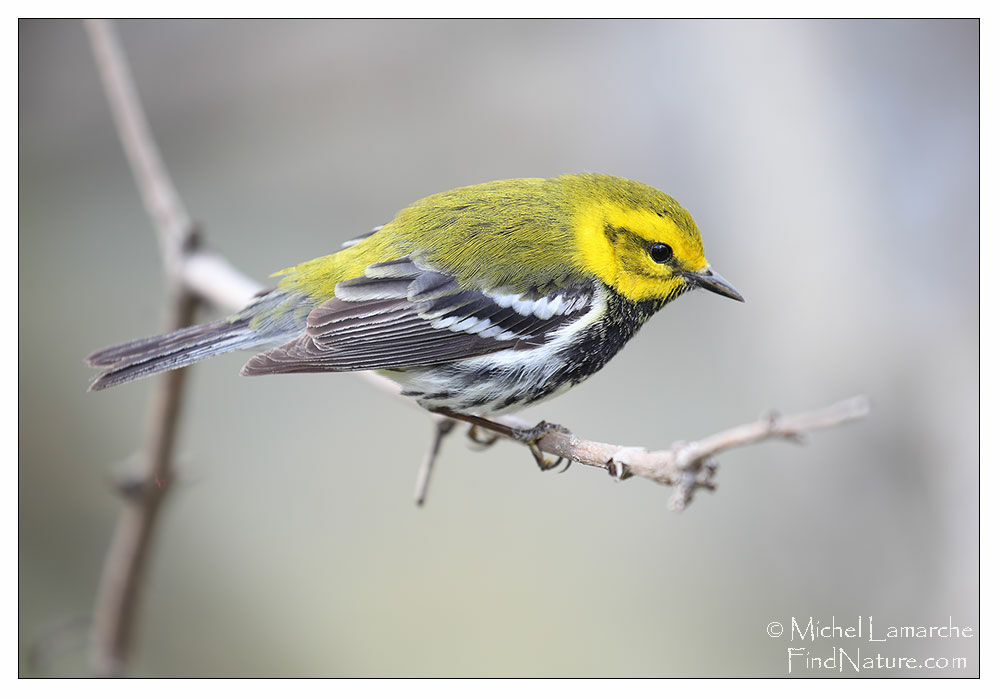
(173, 225)
(118, 591)
(205, 274)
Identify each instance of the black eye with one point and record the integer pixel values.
(660, 252)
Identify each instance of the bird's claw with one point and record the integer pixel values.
(536, 433)
(481, 440)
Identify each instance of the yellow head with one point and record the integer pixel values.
(641, 242)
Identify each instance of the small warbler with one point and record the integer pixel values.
(476, 301)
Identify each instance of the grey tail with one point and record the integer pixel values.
(144, 357)
(165, 352)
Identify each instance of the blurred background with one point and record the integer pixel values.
(832, 167)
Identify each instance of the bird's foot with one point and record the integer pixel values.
(532, 436)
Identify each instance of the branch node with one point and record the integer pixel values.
(795, 438)
(132, 488)
(683, 491)
(193, 239)
(687, 454)
(618, 471)
(136, 488)
(617, 465)
(706, 475)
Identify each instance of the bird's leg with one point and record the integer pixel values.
(442, 428)
(532, 436)
(526, 436)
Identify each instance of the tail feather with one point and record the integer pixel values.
(143, 357)
(138, 348)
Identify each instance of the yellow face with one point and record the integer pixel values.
(640, 252)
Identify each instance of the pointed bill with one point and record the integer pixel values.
(714, 282)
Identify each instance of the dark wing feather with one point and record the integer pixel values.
(401, 314)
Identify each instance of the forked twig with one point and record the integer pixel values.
(687, 466)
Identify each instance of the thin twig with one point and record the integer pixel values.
(118, 593)
(686, 466)
(689, 466)
(173, 225)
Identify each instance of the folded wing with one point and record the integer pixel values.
(402, 313)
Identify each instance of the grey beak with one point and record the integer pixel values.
(714, 282)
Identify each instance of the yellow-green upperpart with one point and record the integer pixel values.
(529, 233)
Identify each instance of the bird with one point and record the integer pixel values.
(477, 301)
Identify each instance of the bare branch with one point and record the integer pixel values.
(173, 225)
(121, 579)
(687, 466)
(118, 591)
(216, 281)
(207, 274)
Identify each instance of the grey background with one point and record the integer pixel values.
(833, 169)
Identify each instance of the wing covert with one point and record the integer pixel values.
(401, 313)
